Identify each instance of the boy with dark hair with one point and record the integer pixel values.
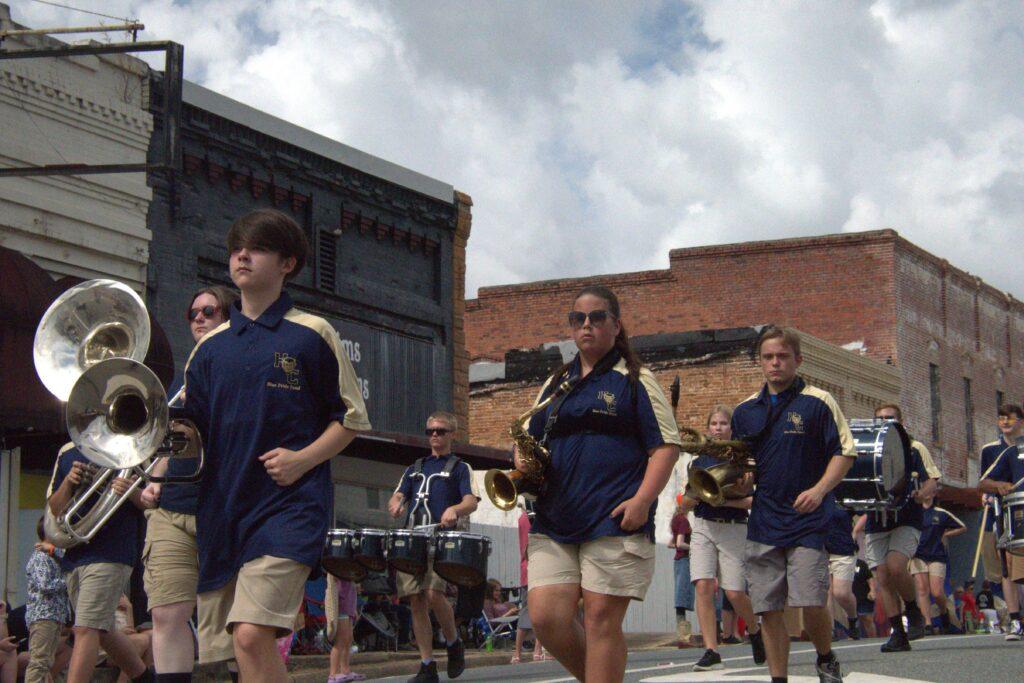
(803, 448)
(97, 572)
(275, 398)
(997, 562)
(47, 610)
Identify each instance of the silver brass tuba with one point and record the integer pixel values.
(88, 351)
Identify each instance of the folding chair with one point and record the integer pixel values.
(495, 629)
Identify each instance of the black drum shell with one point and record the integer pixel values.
(408, 550)
(370, 549)
(881, 469)
(461, 558)
(339, 556)
(1013, 523)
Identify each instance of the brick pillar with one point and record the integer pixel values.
(460, 391)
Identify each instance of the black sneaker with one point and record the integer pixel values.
(710, 661)
(853, 629)
(828, 671)
(426, 674)
(731, 640)
(915, 624)
(456, 659)
(757, 646)
(898, 642)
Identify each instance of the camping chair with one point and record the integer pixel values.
(494, 629)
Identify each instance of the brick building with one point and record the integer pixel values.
(956, 342)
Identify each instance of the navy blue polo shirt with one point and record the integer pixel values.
(252, 386)
(116, 541)
(839, 540)
(936, 522)
(791, 457)
(911, 514)
(1010, 468)
(989, 453)
(444, 491)
(711, 512)
(181, 498)
(599, 446)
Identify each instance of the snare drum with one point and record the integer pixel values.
(878, 479)
(339, 555)
(370, 545)
(461, 558)
(408, 550)
(1013, 523)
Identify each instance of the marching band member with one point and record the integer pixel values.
(170, 555)
(1011, 425)
(928, 567)
(716, 554)
(1003, 480)
(274, 396)
(891, 541)
(97, 572)
(445, 499)
(613, 443)
(842, 565)
(803, 449)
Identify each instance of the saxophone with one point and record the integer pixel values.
(720, 482)
(503, 487)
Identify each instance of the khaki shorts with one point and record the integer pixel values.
(409, 584)
(43, 639)
(94, 590)
(266, 591)
(842, 567)
(919, 566)
(716, 551)
(171, 558)
(990, 558)
(902, 539)
(781, 577)
(610, 565)
(1014, 567)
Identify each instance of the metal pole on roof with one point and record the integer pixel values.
(132, 27)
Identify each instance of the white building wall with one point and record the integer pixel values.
(81, 110)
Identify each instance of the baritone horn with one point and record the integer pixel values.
(88, 352)
(716, 484)
(503, 487)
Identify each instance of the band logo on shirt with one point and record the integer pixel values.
(609, 402)
(290, 366)
(794, 423)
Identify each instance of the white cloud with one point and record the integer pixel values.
(594, 136)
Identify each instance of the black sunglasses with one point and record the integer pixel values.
(436, 431)
(207, 312)
(579, 318)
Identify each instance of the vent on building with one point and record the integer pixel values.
(326, 259)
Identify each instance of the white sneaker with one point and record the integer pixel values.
(1015, 631)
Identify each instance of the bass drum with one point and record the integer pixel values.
(1013, 523)
(370, 544)
(408, 550)
(339, 558)
(879, 477)
(461, 558)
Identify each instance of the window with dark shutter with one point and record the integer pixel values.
(326, 260)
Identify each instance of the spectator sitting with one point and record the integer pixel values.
(494, 607)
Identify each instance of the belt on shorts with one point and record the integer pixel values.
(724, 521)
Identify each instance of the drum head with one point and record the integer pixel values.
(895, 461)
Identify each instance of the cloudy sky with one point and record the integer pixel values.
(595, 136)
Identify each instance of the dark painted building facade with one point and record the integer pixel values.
(383, 243)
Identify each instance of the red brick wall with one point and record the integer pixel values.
(460, 390)
(904, 304)
(787, 282)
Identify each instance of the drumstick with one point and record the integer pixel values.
(981, 536)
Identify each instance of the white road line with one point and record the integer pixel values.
(670, 665)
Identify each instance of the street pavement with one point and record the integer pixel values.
(939, 659)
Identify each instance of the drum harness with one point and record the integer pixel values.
(423, 494)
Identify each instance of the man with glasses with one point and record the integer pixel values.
(1011, 425)
(440, 489)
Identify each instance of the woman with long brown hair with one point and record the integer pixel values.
(613, 443)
